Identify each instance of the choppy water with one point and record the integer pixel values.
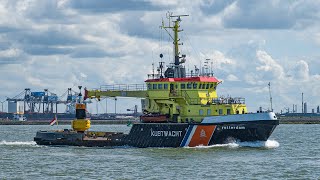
(293, 152)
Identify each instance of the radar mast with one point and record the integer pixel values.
(176, 70)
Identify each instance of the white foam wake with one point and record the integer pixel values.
(229, 145)
(270, 144)
(18, 143)
(266, 144)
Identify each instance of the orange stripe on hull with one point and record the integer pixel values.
(202, 135)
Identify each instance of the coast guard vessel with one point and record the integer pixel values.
(179, 109)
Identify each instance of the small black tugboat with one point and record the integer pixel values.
(212, 130)
(180, 110)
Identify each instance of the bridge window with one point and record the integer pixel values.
(195, 86)
(200, 85)
(203, 86)
(201, 112)
(154, 86)
(220, 111)
(183, 86)
(208, 111)
(211, 85)
(149, 86)
(189, 86)
(207, 87)
(228, 111)
(165, 86)
(159, 86)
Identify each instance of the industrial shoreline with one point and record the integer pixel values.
(299, 119)
(65, 122)
(283, 120)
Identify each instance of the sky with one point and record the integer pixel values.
(60, 44)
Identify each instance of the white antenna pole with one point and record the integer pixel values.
(211, 68)
(152, 70)
(200, 67)
(270, 96)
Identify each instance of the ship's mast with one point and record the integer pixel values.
(175, 28)
(176, 39)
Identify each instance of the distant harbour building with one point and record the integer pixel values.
(15, 107)
(305, 110)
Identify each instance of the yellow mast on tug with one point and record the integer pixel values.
(81, 123)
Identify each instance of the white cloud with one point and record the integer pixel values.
(165, 2)
(317, 38)
(269, 65)
(10, 53)
(232, 77)
(220, 60)
(11, 56)
(34, 81)
(82, 75)
(300, 71)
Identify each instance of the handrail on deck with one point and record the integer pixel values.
(123, 87)
(187, 75)
(198, 100)
(229, 100)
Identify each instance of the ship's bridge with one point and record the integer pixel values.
(195, 90)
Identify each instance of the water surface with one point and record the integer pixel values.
(291, 153)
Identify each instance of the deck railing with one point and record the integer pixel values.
(123, 87)
(219, 100)
(229, 100)
(187, 75)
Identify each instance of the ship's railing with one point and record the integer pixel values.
(195, 101)
(219, 100)
(199, 74)
(184, 94)
(153, 76)
(229, 100)
(123, 87)
(157, 76)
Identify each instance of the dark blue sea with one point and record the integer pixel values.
(292, 152)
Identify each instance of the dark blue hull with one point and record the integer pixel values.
(164, 135)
